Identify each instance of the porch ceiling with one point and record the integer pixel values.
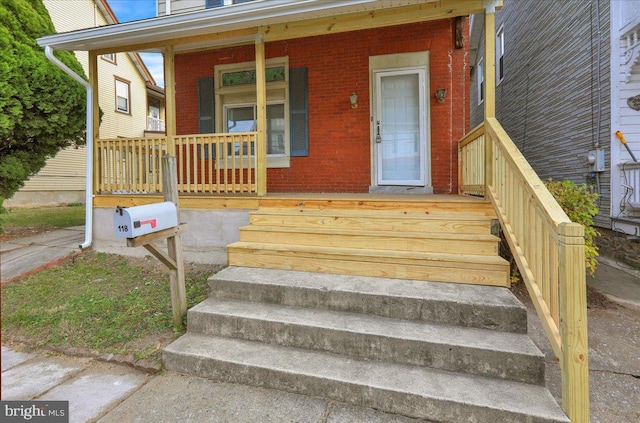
(275, 20)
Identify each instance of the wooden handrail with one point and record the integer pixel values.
(547, 247)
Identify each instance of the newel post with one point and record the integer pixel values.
(573, 322)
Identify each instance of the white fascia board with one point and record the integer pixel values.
(219, 19)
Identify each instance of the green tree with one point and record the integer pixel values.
(42, 109)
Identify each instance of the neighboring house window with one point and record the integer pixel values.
(123, 95)
(218, 3)
(154, 112)
(500, 54)
(480, 76)
(111, 57)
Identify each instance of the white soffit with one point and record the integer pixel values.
(220, 19)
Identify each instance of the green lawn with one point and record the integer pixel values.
(43, 217)
(102, 303)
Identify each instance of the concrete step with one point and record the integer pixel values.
(460, 349)
(437, 267)
(478, 244)
(412, 391)
(372, 220)
(453, 304)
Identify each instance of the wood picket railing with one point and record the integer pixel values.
(206, 163)
(547, 247)
(216, 163)
(129, 165)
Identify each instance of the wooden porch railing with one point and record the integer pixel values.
(129, 165)
(547, 246)
(207, 163)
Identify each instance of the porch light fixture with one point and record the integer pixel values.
(353, 98)
(440, 93)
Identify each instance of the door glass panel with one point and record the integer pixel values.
(399, 151)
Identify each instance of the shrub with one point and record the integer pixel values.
(580, 205)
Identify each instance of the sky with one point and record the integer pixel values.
(133, 10)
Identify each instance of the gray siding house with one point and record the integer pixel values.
(567, 73)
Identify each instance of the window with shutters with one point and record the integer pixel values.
(123, 95)
(235, 106)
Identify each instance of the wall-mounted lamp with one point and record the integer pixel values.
(353, 99)
(440, 93)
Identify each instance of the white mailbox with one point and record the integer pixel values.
(131, 222)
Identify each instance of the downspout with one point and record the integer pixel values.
(88, 229)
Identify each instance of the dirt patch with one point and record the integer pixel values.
(11, 234)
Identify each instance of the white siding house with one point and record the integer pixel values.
(625, 115)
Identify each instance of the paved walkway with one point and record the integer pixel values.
(21, 256)
(107, 392)
(111, 393)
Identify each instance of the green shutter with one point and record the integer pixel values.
(206, 116)
(298, 109)
(205, 106)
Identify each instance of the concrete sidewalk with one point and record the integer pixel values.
(111, 393)
(22, 256)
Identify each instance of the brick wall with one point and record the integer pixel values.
(338, 64)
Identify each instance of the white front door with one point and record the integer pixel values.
(399, 127)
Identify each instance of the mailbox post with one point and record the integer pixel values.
(142, 225)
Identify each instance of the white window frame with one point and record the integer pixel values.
(109, 57)
(245, 95)
(480, 80)
(125, 84)
(499, 54)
